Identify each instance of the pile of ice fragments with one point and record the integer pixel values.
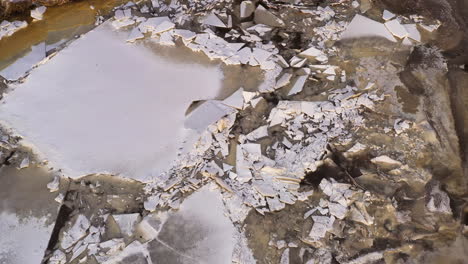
(9, 28)
(263, 167)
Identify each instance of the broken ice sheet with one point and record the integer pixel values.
(131, 125)
(362, 26)
(21, 66)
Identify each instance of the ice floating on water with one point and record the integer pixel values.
(38, 13)
(21, 66)
(362, 26)
(88, 111)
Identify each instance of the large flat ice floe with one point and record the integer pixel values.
(105, 105)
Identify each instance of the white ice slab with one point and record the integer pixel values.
(396, 28)
(362, 26)
(105, 105)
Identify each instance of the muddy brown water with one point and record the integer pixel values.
(60, 23)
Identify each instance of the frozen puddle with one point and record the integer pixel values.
(104, 105)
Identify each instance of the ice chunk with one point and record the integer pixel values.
(167, 39)
(38, 12)
(396, 28)
(236, 99)
(263, 16)
(413, 32)
(206, 114)
(185, 34)
(152, 23)
(322, 224)
(283, 80)
(76, 231)
(362, 26)
(109, 124)
(246, 9)
(298, 84)
(387, 15)
(163, 26)
(311, 53)
(127, 222)
(134, 35)
(258, 133)
(213, 20)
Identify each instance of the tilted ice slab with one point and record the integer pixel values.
(104, 105)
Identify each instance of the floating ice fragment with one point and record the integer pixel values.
(413, 32)
(166, 39)
(258, 133)
(311, 53)
(127, 222)
(206, 114)
(134, 35)
(76, 231)
(248, 96)
(263, 16)
(430, 28)
(38, 13)
(163, 26)
(236, 99)
(322, 224)
(274, 204)
(283, 80)
(298, 84)
(362, 26)
(151, 203)
(185, 34)
(54, 185)
(338, 210)
(246, 9)
(150, 24)
(396, 28)
(213, 20)
(264, 189)
(22, 65)
(387, 15)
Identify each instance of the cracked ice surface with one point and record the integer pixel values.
(87, 110)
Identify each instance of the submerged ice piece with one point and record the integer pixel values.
(104, 105)
(199, 232)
